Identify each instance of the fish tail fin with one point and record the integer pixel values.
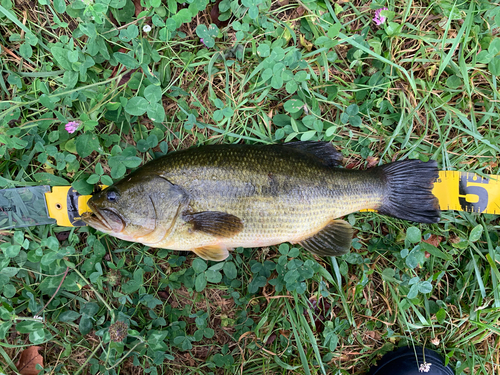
(409, 191)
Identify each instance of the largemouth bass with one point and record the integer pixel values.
(215, 198)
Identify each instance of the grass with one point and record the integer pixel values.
(422, 85)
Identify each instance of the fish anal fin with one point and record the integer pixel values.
(214, 252)
(324, 151)
(333, 240)
(218, 224)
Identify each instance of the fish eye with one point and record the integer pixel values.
(112, 196)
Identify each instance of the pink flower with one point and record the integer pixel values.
(202, 42)
(378, 19)
(72, 126)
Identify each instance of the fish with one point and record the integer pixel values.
(212, 199)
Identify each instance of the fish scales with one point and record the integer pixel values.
(279, 196)
(221, 197)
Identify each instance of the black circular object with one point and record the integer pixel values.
(404, 362)
(112, 196)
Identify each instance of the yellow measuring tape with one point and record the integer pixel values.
(461, 191)
(66, 205)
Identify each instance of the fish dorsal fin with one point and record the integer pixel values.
(218, 224)
(332, 240)
(215, 253)
(324, 151)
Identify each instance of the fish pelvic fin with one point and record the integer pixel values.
(333, 240)
(216, 253)
(408, 193)
(217, 224)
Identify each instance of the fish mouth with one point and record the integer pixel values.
(105, 219)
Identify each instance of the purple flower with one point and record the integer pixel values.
(201, 40)
(378, 19)
(72, 126)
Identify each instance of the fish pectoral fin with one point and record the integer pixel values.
(332, 240)
(215, 252)
(218, 224)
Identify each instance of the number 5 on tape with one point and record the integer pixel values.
(463, 191)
